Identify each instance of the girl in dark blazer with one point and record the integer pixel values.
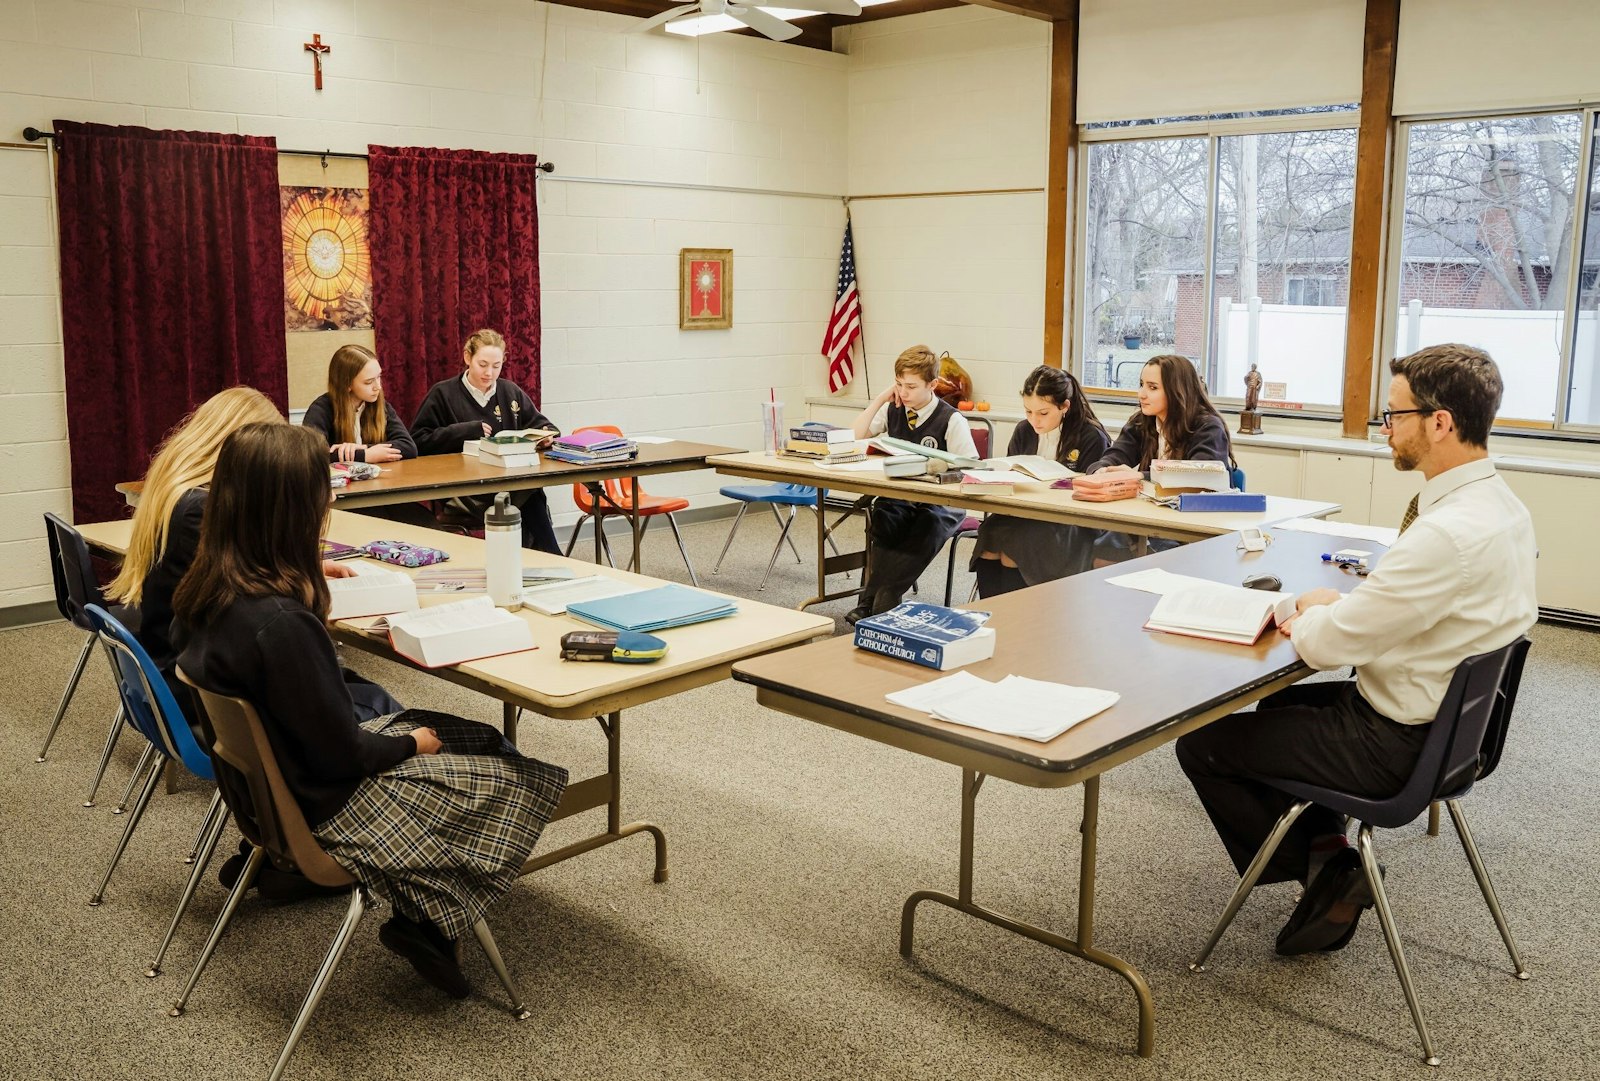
(1176, 420)
(479, 403)
(1017, 552)
(434, 813)
(353, 417)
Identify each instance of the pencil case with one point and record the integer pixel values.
(624, 647)
(1106, 487)
(404, 555)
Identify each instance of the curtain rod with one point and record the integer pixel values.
(34, 135)
(944, 194)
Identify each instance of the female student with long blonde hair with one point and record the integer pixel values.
(166, 531)
(353, 416)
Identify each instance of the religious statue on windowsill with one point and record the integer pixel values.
(1250, 416)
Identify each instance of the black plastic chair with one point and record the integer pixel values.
(1463, 746)
(77, 588)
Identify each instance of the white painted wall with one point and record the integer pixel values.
(953, 100)
(573, 86)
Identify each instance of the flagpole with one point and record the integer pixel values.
(866, 373)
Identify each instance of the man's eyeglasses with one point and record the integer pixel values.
(1388, 415)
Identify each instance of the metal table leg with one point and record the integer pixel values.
(602, 790)
(836, 564)
(971, 783)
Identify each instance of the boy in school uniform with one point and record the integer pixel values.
(906, 536)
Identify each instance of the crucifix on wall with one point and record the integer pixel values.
(316, 49)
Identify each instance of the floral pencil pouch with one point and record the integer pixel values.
(404, 555)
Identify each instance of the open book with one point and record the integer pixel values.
(373, 591)
(552, 597)
(461, 631)
(1224, 613)
(1171, 476)
(890, 445)
(1036, 466)
(526, 435)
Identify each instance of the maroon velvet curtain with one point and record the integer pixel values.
(171, 289)
(455, 247)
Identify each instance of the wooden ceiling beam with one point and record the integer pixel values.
(1048, 10)
(816, 32)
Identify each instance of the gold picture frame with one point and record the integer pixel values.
(705, 288)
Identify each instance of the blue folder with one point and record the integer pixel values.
(1222, 501)
(653, 609)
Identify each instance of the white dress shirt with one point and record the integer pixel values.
(355, 423)
(957, 433)
(1050, 443)
(480, 396)
(1457, 583)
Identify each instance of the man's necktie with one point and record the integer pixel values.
(1410, 515)
(911, 416)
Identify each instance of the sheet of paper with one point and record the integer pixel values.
(868, 466)
(924, 696)
(1015, 706)
(996, 476)
(1378, 534)
(1157, 581)
(652, 439)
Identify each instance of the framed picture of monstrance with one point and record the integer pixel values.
(705, 288)
(327, 266)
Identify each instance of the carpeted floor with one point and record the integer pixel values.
(771, 952)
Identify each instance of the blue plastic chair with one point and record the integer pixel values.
(1462, 747)
(152, 711)
(774, 496)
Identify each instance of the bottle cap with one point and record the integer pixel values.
(503, 515)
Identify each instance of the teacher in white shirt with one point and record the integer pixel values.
(1459, 581)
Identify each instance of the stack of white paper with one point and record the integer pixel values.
(1384, 535)
(1016, 706)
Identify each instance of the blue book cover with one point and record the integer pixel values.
(653, 609)
(1222, 501)
(927, 634)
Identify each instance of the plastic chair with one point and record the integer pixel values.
(272, 822)
(1463, 746)
(626, 497)
(154, 713)
(774, 496)
(76, 588)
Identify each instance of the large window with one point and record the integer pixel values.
(1230, 247)
(1486, 256)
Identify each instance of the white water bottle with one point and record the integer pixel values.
(502, 553)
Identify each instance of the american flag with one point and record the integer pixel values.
(844, 326)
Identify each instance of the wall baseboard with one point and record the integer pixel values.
(28, 615)
(1568, 617)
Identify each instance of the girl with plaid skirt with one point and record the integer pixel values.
(436, 814)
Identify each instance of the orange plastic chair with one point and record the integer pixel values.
(626, 498)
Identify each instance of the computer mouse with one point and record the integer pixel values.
(1263, 581)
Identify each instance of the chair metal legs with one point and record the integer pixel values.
(133, 780)
(154, 760)
(216, 819)
(496, 962)
(783, 530)
(737, 518)
(359, 902)
(1391, 937)
(66, 695)
(1459, 817)
(1248, 881)
(684, 552)
(105, 757)
(577, 527)
(247, 878)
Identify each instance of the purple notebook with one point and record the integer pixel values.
(588, 440)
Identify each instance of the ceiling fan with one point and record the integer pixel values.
(755, 16)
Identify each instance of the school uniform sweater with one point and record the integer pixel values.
(450, 416)
(274, 653)
(319, 415)
(1209, 443)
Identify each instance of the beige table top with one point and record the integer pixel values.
(443, 476)
(1080, 631)
(1041, 502)
(697, 655)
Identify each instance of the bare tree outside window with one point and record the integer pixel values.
(1486, 251)
(1583, 400)
(1145, 217)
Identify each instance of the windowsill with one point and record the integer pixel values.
(1519, 452)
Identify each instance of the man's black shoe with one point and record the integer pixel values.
(432, 955)
(1326, 917)
(859, 612)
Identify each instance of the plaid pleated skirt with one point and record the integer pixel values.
(442, 836)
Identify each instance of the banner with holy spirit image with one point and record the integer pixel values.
(327, 266)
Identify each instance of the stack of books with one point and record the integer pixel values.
(513, 450)
(824, 443)
(592, 448)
